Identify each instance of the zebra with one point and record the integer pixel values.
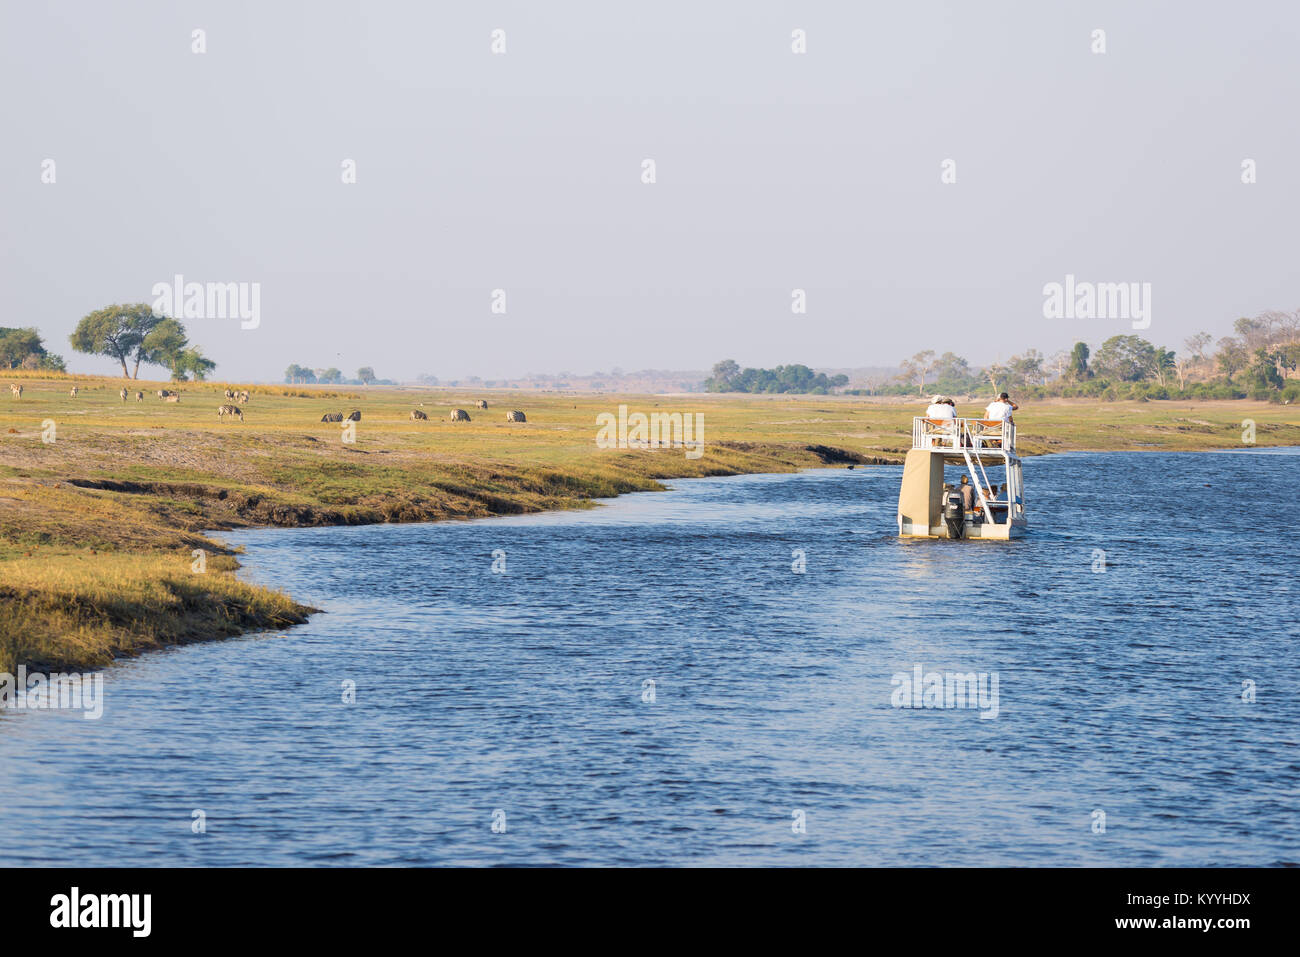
(230, 410)
(516, 416)
(230, 394)
(417, 414)
(458, 415)
(73, 393)
(17, 391)
(161, 393)
(243, 397)
(354, 415)
(481, 404)
(332, 417)
(123, 393)
(139, 397)
(172, 397)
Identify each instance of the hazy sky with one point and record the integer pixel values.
(522, 171)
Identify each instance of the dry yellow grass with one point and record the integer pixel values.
(81, 608)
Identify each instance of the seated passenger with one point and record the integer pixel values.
(940, 408)
(1000, 409)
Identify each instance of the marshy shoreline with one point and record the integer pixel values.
(106, 546)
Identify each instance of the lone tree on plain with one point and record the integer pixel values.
(133, 332)
(117, 332)
(366, 374)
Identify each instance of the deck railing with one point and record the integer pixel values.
(956, 435)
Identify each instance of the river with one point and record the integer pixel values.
(1146, 706)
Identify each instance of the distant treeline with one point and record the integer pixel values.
(302, 375)
(1259, 361)
(729, 377)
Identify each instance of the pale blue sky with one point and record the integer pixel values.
(522, 172)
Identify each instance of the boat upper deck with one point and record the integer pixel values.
(992, 437)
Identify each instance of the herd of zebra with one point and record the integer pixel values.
(242, 396)
(460, 415)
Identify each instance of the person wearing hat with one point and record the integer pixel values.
(1000, 409)
(940, 408)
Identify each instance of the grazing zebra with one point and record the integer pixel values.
(230, 410)
(161, 393)
(516, 416)
(230, 394)
(73, 393)
(481, 404)
(172, 397)
(139, 397)
(354, 415)
(417, 414)
(123, 393)
(458, 415)
(17, 391)
(332, 417)
(243, 397)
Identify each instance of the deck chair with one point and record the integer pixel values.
(988, 433)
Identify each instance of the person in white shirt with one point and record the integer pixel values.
(1000, 409)
(940, 409)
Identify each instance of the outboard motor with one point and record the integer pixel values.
(954, 514)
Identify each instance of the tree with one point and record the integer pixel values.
(1288, 358)
(1077, 365)
(1263, 373)
(1162, 364)
(366, 374)
(1026, 369)
(1256, 333)
(1126, 358)
(952, 373)
(724, 374)
(117, 332)
(1059, 363)
(164, 345)
(330, 375)
(23, 348)
(917, 369)
(997, 374)
(1232, 356)
(1196, 344)
(191, 362)
(296, 374)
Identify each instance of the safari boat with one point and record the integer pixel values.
(985, 449)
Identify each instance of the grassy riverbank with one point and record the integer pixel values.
(103, 503)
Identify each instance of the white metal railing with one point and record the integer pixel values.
(963, 435)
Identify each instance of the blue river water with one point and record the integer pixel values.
(1145, 710)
